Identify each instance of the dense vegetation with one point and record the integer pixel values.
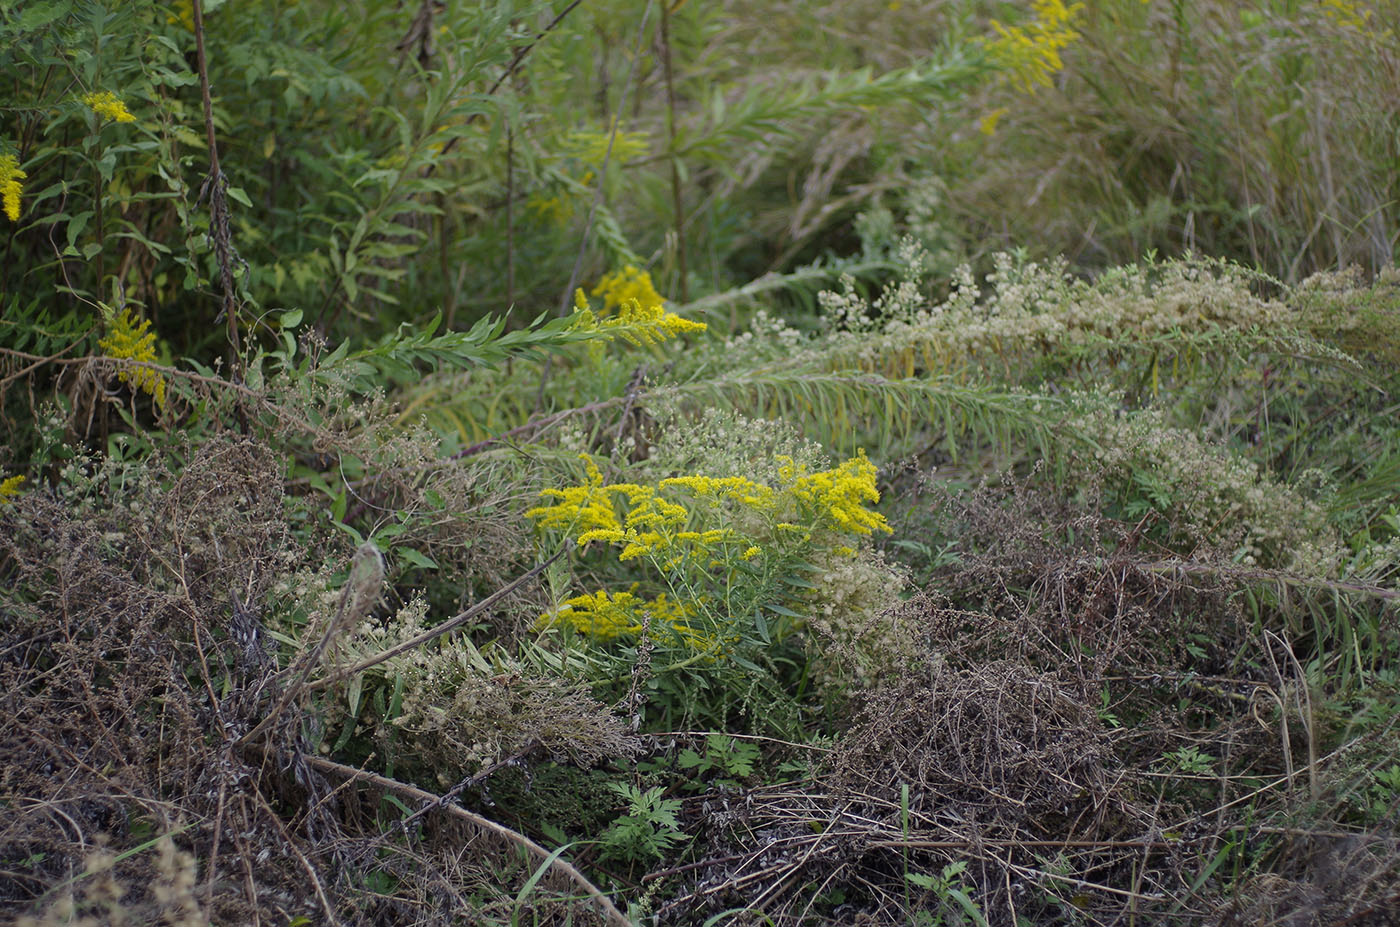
(916, 462)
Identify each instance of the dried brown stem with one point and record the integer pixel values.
(609, 910)
(435, 632)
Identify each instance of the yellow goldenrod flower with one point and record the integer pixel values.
(128, 338)
(620, 286)
(552, 209)
(107, 105)
(580, 509)
(600, 614)
(1031, 53)
(738, 488)
(1347, 13)
(988, 124)
(181, 12)
(9, 488)
(636, 322)
(10, 187)
(591, 147)
(833, 500)
(608, 615)
(839, 495)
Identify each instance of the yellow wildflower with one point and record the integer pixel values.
(606, 616)
(552, 209)
(9, 488)
(652, 524)
(600, 614)
(641, 325)
(741, 489)
(635, 322)
(591, 147)
(589, 512)
(988, 124)
(1031, 53)
(181, 12)
(107, 105)
(839, 495)
(129, 338)
(10, 187)
(658, 516)
(580, 509)
(1347, 13)
(630, 283)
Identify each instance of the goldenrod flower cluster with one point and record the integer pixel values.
(107, 105)
(641, 324)
(591, 146)
(589, 513)
(652, 524)
(621, 286)
(607, 615)
(635, 322)
(580, 508)
(1347, 13)
(698, 529)
(741, 489)
(10, 187)
(1031, 53)
(839, 496)
(551, 209)
(130, 338)
(181, 12)
(9, 488)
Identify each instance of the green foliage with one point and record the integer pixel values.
(647, 830)
(724, 754)
(929, 564)
(951, 894)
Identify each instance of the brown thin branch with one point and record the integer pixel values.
(433, 633)
(218, 206)
(538, 423)
(608, 909)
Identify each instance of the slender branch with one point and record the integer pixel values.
(677, 202)
(510, 214)
(356, 598)
(515, 62)
(1276, 576)
(538, 423)
(436, 632)
(567, 298)
(215, 185)
(609, 910)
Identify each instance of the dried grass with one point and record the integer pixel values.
(158, 763)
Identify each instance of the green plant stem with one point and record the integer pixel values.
(677, 201)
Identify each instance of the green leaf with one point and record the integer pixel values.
(416, 558)
(238, 196)
(689, 759)
(357, 685)
(538, 874)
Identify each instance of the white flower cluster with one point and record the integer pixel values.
(1218, 498)
(857, 620)
(1030, 307)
